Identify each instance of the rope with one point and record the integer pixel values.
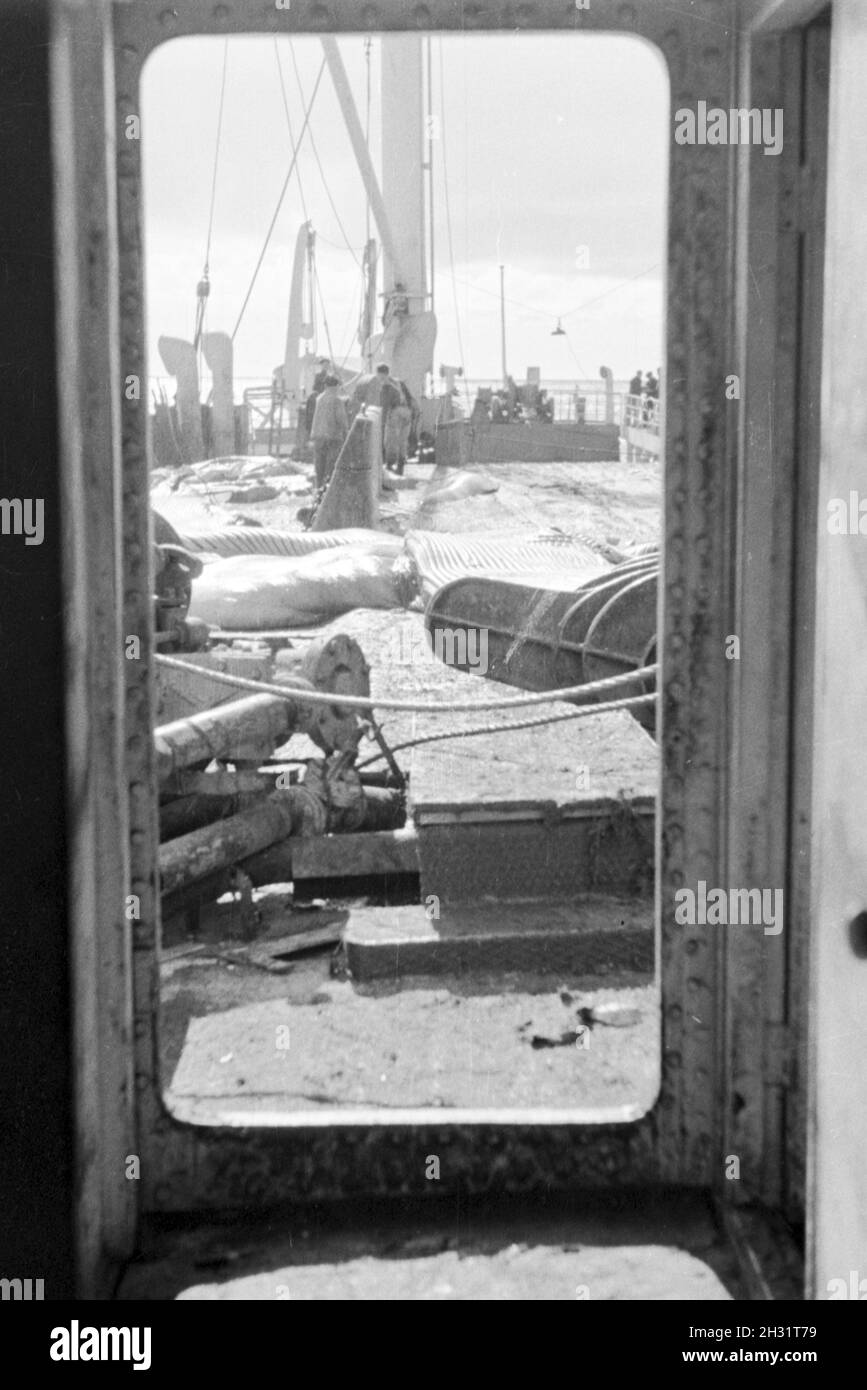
(279, 203)
(363, 702)
(628, 703)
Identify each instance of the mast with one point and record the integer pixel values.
(431, 122)
(403, 161)
(409, 323)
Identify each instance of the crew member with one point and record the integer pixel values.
(398, 426)
(329, 430)
(381, 391)
(396, 305)
(324, 369)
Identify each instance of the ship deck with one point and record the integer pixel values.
(397, 1043)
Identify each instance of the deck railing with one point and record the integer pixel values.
(639, 427)
(267, 427)
(573, 404)
(269, 424)
(641, 413)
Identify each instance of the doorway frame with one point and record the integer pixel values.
(705, 979)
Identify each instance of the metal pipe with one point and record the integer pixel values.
(248, 729)
(188, 813)
(223, 843)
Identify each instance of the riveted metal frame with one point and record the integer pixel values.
(778, 296)
(186, 1166)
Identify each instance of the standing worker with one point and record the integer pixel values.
(398, 427)
(378, 389)
(390, 399)
(322, 374)
(381, 391)
(329, 430)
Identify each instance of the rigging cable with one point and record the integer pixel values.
(356, 250)
(203, 289)
(545, 313)
(312, 305)
(289, 127)
(368, 44)
(580, 367)
(353, 312)
(315, 150)
(324, 314)
(365, 702)
(449, 224)
(430, 166)
(279, 203)
(630, 702)
(619, 286)
(350, 248)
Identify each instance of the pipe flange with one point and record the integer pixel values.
(336, 665)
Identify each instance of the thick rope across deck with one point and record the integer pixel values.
(479, 730)
(364, 702)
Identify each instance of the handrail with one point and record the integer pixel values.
(642, 413)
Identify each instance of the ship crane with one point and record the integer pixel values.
(408, 322)
(396, 325)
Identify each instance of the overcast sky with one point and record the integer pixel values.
(550, 143)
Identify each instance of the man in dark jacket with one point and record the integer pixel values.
(316, 390)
